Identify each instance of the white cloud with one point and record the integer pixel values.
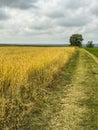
(47, 21)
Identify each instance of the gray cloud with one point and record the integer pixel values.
(94, 9)
(21, 4)
(75, 4)
(74, 20)
(55, 13)
(3, 15)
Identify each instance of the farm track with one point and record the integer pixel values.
(75, 103)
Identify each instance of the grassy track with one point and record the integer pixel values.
(90, 86)
(73, 100)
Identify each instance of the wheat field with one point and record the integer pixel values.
(24, 73)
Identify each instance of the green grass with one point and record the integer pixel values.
(93, 51)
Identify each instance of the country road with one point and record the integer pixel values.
(76, 105)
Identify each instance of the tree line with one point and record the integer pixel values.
(76, 40)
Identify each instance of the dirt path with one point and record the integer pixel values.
(79, 108)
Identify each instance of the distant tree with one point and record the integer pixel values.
(76, 40)
(90, 44)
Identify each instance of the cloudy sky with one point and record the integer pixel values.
(47, 21)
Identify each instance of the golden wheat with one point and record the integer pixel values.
(24, 73)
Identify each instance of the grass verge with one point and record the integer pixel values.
(93, 51)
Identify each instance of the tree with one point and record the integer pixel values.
(76, 40)
(90, 44)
